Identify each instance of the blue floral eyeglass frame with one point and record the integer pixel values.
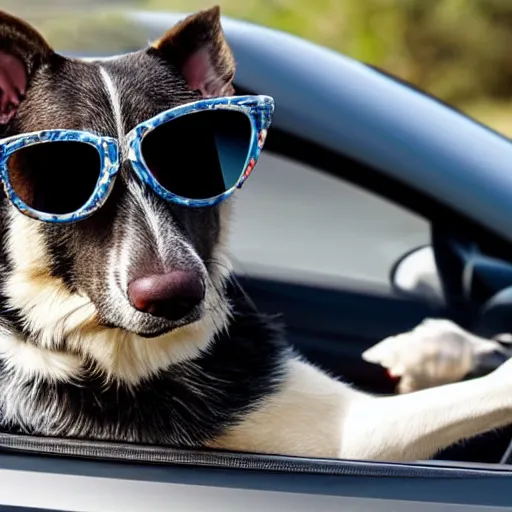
(258, 109)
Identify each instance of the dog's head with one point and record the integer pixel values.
(138, 285)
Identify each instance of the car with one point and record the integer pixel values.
(362, 174)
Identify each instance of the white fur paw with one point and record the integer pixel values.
(503, 373)
(435, 352)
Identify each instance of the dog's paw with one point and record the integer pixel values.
(435, 352)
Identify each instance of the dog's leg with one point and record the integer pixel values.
(418, 425)
(303, 418)
(316, 416)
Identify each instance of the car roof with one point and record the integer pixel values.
(350, 108)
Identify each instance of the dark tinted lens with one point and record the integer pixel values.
(55, 177)
(200, 155)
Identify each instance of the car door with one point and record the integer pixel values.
(101, 476)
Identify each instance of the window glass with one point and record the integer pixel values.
(294, 218)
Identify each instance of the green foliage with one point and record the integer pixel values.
(459, 50)
(69, 27)
(97, 32)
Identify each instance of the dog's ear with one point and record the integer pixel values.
(22, 50)
(197, 46)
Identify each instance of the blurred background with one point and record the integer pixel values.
(458, 51)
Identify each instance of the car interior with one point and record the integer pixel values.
(342, 296)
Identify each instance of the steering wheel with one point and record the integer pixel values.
(478, 294)
(477, 287)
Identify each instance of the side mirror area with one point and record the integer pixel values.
(415, 275)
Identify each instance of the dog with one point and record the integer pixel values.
(127, 324)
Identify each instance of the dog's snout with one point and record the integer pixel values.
(172, 295)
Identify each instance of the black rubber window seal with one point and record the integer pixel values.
(144, 454)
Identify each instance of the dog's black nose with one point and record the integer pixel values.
(172, 296)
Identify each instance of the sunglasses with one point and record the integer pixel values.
(194, 155)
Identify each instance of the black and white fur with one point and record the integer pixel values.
(77, 359)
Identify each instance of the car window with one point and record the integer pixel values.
(293, 217)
